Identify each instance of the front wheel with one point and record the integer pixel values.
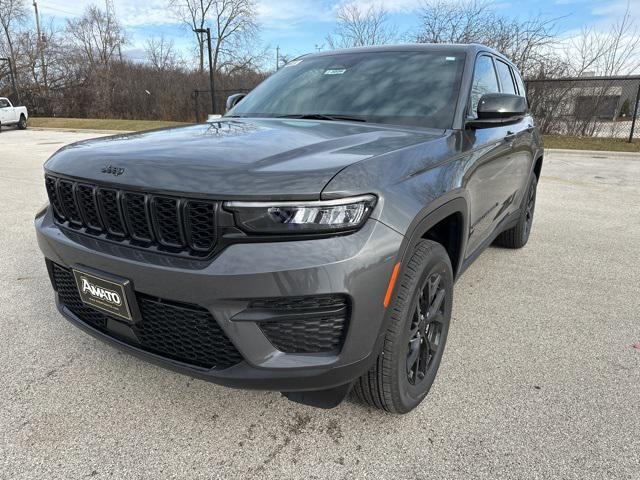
(22, 124)
(415, 339)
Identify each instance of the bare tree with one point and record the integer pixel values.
(194, 14)
(97, 38)
(98, 34)
(460, 21)
(615, 51)
(358, 28)
(13, 13)
(236, 28)
(233, 26)
(528, 43)
(161, 54)
(579, 106)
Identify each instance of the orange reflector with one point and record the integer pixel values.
(392, 282)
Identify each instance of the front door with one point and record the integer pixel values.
(490, 170)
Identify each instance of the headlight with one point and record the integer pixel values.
(302, 217)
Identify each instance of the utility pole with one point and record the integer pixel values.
(211, 81)
(41, 47)
(277, 58)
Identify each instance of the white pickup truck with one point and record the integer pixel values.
(10, 115)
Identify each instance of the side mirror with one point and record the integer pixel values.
(495, 109)
(233, 100)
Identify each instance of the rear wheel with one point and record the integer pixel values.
(22, 124)
(415, 339)
(518, 236)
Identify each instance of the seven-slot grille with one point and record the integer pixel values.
(160, 222)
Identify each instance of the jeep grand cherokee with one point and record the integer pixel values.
(308, 241)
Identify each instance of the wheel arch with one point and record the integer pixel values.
(447, 224)
(455, 208)
(537, 166)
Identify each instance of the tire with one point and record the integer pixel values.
(518, 236)
(398, 382)
(22, 124)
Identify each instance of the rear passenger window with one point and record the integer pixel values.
(484, 81)
(506, 81)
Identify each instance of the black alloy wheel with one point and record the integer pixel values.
(416, 334)
(425, 332)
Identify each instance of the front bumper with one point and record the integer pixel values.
(358, 265)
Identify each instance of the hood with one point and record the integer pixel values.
(233, 158)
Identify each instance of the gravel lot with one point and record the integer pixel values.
(540, 378)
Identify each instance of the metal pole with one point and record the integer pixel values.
(40, 46)
(277, 58)
(635, 114)
(211, 81)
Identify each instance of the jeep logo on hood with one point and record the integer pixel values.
(111, 170)
(102, 293)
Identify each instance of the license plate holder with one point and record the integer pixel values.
(106, 292)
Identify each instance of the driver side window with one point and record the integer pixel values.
(484, 81)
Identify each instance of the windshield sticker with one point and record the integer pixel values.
(339, 71)
(293, 63)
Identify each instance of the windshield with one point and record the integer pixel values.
(401, 87)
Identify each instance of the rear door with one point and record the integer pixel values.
(489, 175)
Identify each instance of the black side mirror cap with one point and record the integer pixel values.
(495, 109)
(233, 100)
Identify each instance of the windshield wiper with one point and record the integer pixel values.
(322, 116)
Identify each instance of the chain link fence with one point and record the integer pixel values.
(603, 107)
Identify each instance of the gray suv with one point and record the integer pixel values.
(308, 241)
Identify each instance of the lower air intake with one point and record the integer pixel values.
(314, 324)
(187, 333)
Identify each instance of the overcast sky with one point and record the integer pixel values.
(298, 26)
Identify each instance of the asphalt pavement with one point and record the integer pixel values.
(540, 378)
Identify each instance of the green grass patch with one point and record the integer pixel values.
(100, 124)
(588, 143)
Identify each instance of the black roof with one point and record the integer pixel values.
(471, 49)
